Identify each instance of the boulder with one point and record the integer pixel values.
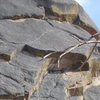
(32, 39)
(65, 10)
(33, 36)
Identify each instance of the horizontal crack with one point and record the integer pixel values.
(9, 77)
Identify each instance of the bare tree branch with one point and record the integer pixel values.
(74, 47)
(88, 56)
(69, 49)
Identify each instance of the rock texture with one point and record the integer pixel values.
(65, 10)
(32, 29)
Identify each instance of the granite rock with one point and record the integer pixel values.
(65, 10)
(32, 29)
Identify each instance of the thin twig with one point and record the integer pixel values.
(74, 47)
(77, 38)
(97, 34)
(88, 56)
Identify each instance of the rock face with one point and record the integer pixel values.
(33, 35)
(62, 10)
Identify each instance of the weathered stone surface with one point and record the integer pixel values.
(22, 8)
(66, 10)
(75, 91)
(94, 62)
(92, 93)
(44, 37)
(26, 72)
(32, 45)
(7, 52)
(52, 88)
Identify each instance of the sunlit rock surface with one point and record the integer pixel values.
(32, 29)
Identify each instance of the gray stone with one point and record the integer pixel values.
(52, 88)
(41, 35)
(33, 39)
(92, 93)
(7, 52)
(32, 29)
(66, 10)
(23, 8)
(94, 62)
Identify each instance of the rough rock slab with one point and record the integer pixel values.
(65, 10)
(94, 62)
(43, 40)
(51, 27)
(52, 88)
(42, 34)
(7, 52)
(23, 8)
(92, 93)
(34, 39)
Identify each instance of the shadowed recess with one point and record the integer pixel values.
(70, 62)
